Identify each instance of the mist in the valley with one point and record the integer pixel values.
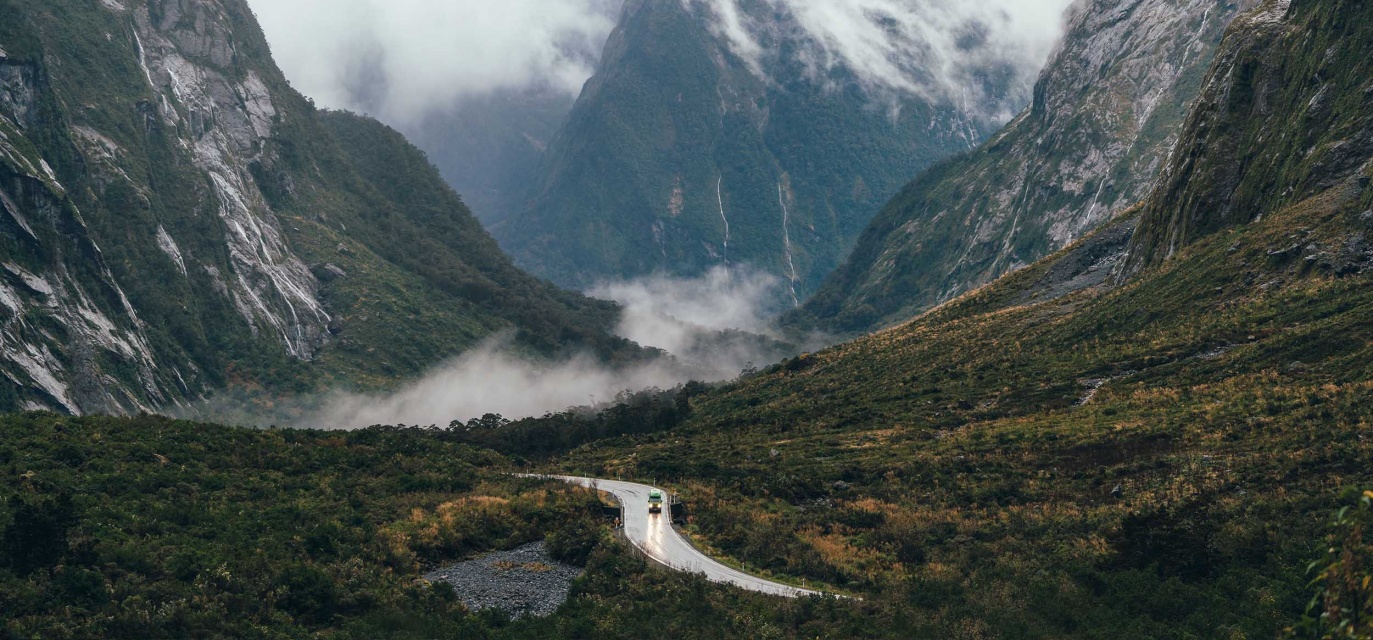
(711, 329)
(407, 60)
(678, 314)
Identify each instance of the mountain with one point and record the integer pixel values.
(176, 219)
(682, 153)
(1285, 120)
(1106, 112)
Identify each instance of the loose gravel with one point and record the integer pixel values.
(522, 582)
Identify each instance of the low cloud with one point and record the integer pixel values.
(944, 51)
(402, 59)
(491, 379)
(712, 327)
(672, 313)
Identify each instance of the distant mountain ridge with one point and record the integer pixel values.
(175, 219)
(681, 155)
(489, 148)
(1106, 112)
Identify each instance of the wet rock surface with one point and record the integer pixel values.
(522, 582)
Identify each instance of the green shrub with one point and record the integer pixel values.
(1342, 608)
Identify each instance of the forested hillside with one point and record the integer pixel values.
(1069, 454)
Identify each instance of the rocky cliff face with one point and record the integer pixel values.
(682, 154)
(1106, 111)
(1286, 115)
(224, 116)
(73, 339)
(63, 310)
(175, 219)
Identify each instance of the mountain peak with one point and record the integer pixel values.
(701, 113)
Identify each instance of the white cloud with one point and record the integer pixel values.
(670, 313)
(492, 380)
(404, 58)
(401, 59)
(935, 49)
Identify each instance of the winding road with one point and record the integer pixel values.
(653, 534)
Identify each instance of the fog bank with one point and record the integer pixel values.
(712, 327)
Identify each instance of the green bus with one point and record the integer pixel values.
(655, 501)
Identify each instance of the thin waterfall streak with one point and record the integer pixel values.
(786, 242)
(719, 196)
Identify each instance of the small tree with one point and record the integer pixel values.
(1342, 608)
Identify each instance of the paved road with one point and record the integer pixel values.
(653, 534)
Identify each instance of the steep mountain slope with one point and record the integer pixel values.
(681, 155)
(177, 219)
(1106, 111)
(1286, 115)
(1063, 455)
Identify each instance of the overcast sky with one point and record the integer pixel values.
(401, 58)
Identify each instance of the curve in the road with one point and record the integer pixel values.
(654, 536)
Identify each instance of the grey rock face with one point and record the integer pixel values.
(1088, 265)
(184, 51)
(18, 82)
(328, 272)
(523, 582)
(55, 278)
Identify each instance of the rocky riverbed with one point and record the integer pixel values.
(522, 582)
